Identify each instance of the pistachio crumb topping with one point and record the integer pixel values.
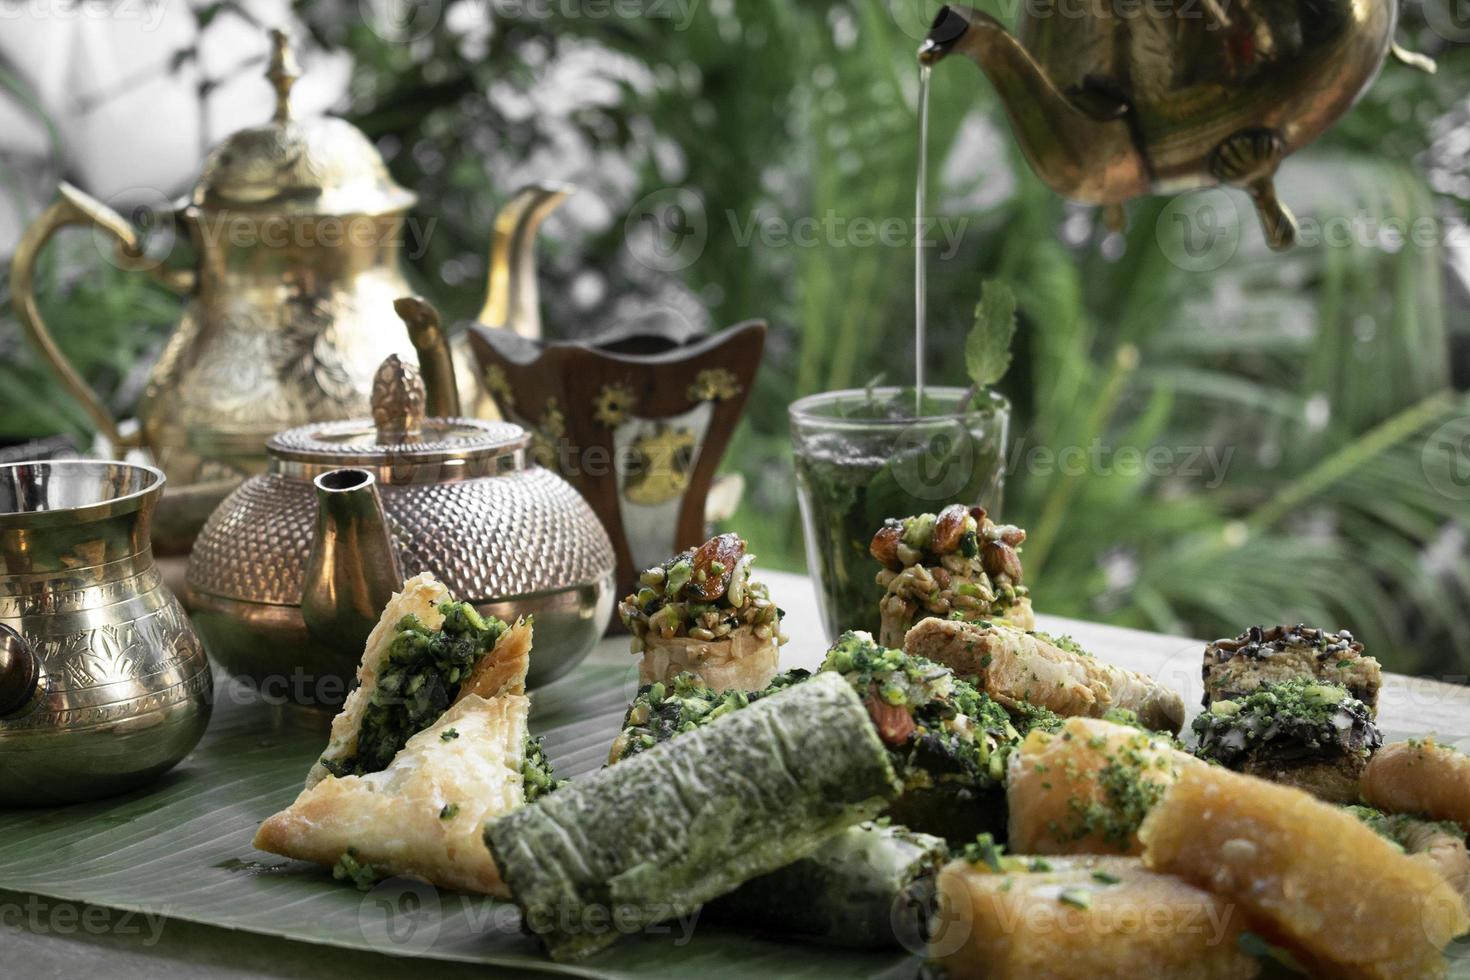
(705, 593)
(360, 873)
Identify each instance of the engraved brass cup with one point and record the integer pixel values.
(103, 683)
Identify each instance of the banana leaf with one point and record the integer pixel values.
(181, 849)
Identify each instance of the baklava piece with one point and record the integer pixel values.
(1001, 917)
(1019, 667)
(1422, 777)
(1303, 733)
(957, 564)
(1309, 876)
(701, 613)
(1262, 655)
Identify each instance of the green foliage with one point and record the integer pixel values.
(1294, 395)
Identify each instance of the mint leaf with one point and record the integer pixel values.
(988, 348)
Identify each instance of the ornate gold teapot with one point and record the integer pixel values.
(297, 229)
(1114, 101)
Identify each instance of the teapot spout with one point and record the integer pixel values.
(1082, 150)
(353, 570)
(512, 300)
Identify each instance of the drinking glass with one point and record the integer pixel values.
(864, 455)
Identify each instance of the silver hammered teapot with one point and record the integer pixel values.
(291, 572)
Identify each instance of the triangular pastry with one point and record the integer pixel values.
(423, 812)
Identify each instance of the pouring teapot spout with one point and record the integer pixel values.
(1079, 146)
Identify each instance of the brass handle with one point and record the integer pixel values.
(73, 207)
(436, 366)
(20, 671)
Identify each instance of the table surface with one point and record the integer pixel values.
(44, 938)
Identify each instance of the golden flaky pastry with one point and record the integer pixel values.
(1309, 875)
(741, 661)
(1014, 665)
(424, 814)
(1420, 777)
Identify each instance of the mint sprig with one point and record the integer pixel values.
(988, 348)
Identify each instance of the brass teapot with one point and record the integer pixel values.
(297, 229)
(1112, 102)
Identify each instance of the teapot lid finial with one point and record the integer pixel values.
(398, 402)
(283, 72)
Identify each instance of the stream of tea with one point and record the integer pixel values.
(921, 193)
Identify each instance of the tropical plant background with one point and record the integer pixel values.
(1332, 379)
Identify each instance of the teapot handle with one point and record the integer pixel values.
(20, 672)
(73, 207)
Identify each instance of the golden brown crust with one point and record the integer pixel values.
(1310, 875)
(1062, 802)
(1422, 778)
(396, 820)
(1013, 665)
(1084, 918)
(503, 669)
(741, 661)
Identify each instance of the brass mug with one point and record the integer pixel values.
(103, 683)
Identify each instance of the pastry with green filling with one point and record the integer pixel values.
(660, 833)
(1439, 843)
(1273, 655)
(433, 743)
(867, 887)
(1087, 787)
(1015, 665)
(948, 742)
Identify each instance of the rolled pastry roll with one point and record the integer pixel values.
(700, 613)
(1441, 844)
(956, 564)
(1015, 666)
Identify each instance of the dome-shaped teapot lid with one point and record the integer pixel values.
(401, 440)
(289, 166)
